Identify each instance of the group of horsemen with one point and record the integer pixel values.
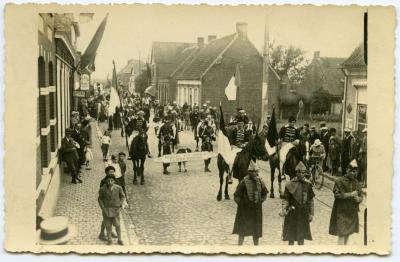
(204, 124)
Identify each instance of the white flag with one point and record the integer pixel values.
(230, 90)
(114, 101)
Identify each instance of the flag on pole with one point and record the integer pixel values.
(224, 147)
(272, 136)
(233, 85)
(114, 97)
(87, 60)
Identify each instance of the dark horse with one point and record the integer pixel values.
(292, 159)
(138, 152)
(255, 149)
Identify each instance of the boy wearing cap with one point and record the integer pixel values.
(298, 208)
(250, 193)
(111, 199)
(348, 195)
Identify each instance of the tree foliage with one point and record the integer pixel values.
(320, 101)
(288, 60)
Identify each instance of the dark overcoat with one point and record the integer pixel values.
(344, 216)
(296, 226)
(248, 220)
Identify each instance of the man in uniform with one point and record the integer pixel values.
(207, 133)
(240, 135)
(289, 133)
(241, 116)
(194, 121)
(166, 136)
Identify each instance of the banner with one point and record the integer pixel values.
(174, 158)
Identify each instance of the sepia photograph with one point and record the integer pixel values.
(201, 126)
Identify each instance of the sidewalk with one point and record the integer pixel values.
(79, 203)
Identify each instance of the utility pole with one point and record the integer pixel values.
(264, 101)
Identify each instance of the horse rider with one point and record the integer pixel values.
(207, 134)
(140, 124)
(240, 136)
(241, 116)
(166, 135)
(289, 133)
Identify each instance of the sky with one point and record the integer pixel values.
(130, 30)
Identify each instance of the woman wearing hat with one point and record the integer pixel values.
(249, 196)
(298, 208)
(348, 195)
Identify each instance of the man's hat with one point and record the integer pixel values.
(140, 112)
(253, 167)
(239, 108)
(324, 128)
(292, 119)
(353, 164)
(317, 142)
(307, 124)
(347, 130)
(108, 168)
(313, 127)
(242, 111)
(300, 167)
(322, 124)
(121, 154)
(113, 157)
(55, 231)
(69, 131)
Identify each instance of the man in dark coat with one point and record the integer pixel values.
(207, 136)
(249, 196)
(70, 154)
(298, 208)
(348, 195)
(347, 146)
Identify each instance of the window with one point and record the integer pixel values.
(51, 74)
(41, 72)
(41, 24)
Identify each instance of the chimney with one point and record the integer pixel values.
(200, 42)
(211, 38)
(316, 55)
(241, 29)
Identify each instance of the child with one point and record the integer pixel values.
(105, 144)
(183, 151)
(88, 157)
(119, 178)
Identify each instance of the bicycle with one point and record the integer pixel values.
(317, 174)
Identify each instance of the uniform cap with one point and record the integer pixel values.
(300, 167)
(253, 167)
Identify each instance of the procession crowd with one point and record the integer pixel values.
(344, 158)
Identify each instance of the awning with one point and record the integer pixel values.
(150, 90)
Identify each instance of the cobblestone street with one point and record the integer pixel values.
(182, 209)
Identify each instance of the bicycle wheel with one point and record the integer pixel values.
(318, 178)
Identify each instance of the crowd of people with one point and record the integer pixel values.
(325, 144)
(342, 157)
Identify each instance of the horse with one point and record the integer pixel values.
(255, 149)
(138, 152)
(290, 163)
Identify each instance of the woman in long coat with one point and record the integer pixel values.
(348, 195)
(249, 196)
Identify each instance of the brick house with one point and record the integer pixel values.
(323, 74)
(355, 98)
(205, 76)
(126, 76)
(165, 57)
(57, 59)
